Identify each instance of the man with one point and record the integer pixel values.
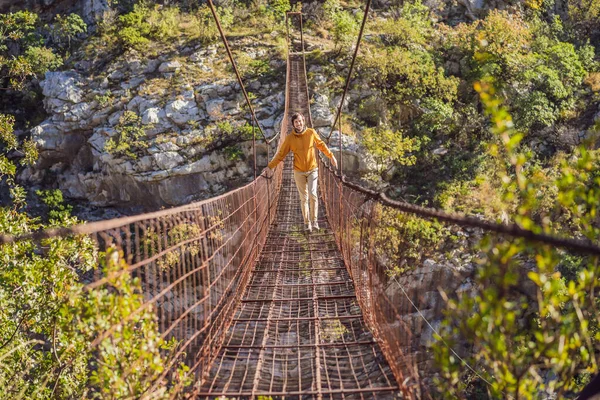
(302, 143)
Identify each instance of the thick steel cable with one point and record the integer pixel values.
(508, 229)
(513, 229)
(237, 72)
(360, 34)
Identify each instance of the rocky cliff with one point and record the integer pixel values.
(89, 10)
(188, 106)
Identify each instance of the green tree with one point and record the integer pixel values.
(279, 8)
(23, 54)
(49, 318)
(66, 28)
(345, 29)
(388, 147)
(531, 330)
(130, 136)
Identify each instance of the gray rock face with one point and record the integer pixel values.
(214, 108)
(152, 116)
(182, 111)
(321, 115)
(89, 10)
(168, 160)
(62, 86)
(174, 166)
(169, 66)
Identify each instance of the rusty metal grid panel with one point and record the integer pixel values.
(192, 262)
(353, 217)
(299, 331)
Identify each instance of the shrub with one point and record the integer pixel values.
(404, 240)
(388, 147)
(66, 28)
(584, 15)
(23, 55)
(279, 8)
(48, 318)
(518, 337)
(205, 27)
(233, 153)
(345, 29)
(129, 139)
(535, 110)
(373, 110)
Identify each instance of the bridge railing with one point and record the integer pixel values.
(192, 264)
(354, 218)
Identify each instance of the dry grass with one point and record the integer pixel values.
(593, 81)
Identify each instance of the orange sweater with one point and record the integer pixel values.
(302, 145)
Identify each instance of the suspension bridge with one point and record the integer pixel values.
(261, 308)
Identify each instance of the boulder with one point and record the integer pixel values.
(181, 111)
(169, 66)
(152, 116)
(63, 85)
(168, 160)
(214, 108)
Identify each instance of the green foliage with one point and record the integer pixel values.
(405, 240)
(23, 55)
(437, 118)
(104, 99)
(48, 321)
(388, 147)
(252, 68)
(225, 127)
(279, 8)
(584, 15)
(406, 75)
(59, 213)
(345, 29)
(53, 330)
(148, 23)
(18, 27)
(135, 27)
(8, 168)
(129, 140)
(330, 9)
(66, 28)
(533, 331)
(539, 73)
(233, 153)
(204, 24)
(372, 110)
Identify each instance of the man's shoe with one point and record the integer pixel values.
(315, 225)
(309, 227)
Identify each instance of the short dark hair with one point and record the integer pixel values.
(296, 115)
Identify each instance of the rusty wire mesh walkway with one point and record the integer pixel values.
(298, 330)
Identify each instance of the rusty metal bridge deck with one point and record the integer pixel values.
(298, 330)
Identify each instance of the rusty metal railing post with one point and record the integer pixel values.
(287, 28)
(254, 147)
(341, 189)
(269, 186)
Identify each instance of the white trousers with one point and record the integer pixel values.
(306, 182)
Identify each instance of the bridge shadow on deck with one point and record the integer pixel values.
(298, 331)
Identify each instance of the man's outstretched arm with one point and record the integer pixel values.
(320, 144)
(281, 153)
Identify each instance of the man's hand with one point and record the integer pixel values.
(334, 161)
(268, 171)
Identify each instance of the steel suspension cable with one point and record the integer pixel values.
(237, 72)
(463, 361)
(360, 34)
(512, 229)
